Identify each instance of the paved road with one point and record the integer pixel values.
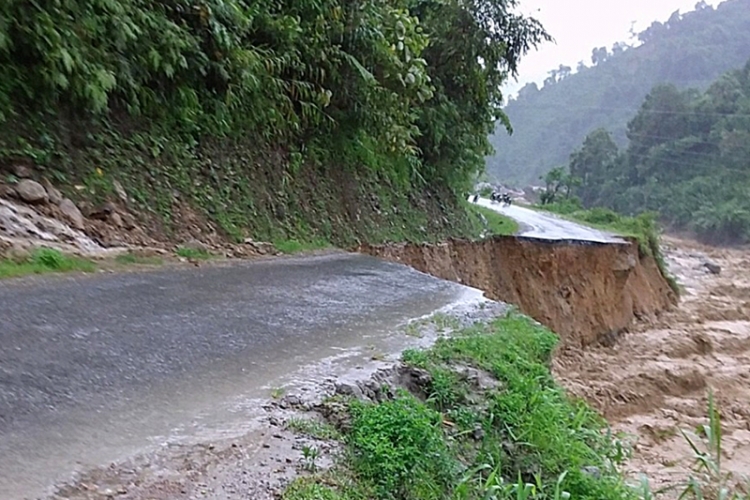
(542, 225)
(95, 367)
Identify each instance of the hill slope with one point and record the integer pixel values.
(690, 50)
(321, 121)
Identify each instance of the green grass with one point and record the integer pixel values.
(134, 259)
(44, 260)
(498, 224)
(643, 228)
(291, 246)
(193, 253)
(518, 437)
(313, 428)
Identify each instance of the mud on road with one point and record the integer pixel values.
(656, 379)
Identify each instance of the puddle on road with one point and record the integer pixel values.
(221, 402)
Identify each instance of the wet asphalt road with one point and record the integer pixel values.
(80, 353)
(546, 226)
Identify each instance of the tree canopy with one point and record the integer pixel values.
(415, 80)
(688, 159)
(689, 50)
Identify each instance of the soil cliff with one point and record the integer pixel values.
(586, 293)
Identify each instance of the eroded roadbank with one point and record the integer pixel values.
(655, 380)
(585, 292)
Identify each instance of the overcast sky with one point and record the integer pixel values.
(578, 26)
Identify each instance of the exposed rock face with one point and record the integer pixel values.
(21, 171)
(583, 292)
(31, 191)
(21, 226)
(55, 196)
(72, 214)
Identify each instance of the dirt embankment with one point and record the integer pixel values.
(587, 293)
(655, 382)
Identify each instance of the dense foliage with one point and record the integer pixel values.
(688, 159)
(688, 50)
(513, 435)
(413, 81)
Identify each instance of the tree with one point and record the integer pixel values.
(692, 53)
(688, 159)
(563, 71)
(592, 164)
(599, 55)
(557, 180)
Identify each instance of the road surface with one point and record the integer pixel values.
(547, 226)
(96, 368)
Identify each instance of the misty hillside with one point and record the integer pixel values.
(688, 50)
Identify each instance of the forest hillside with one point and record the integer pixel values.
(688, 50)
(687, 159)
(328, 120)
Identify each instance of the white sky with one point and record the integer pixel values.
(578, 26)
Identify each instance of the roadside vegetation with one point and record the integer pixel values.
(490, 422)
(130, 258)
(497, 223)
(686, 159)
(193, 253)
(644, 228)
(335, 121)
(44, 260)
(295, 246)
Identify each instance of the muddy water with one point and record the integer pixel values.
(655, 381)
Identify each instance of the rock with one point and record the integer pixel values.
(55, 196)
(478, 433)
(712, 267)
(348, 389)
(21, 171)
(7, 191)
(103, 212)
(196, 245)
(115, 219)
(592, 471)
(17, 254)
(72, 214)
(120, 191)
(128, 221)
(31, 191)
(261, 247)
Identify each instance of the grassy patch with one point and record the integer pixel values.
(498, 224)
(643, 228)
(490, 422)
(313, 428)
(134, 259)
(44, 260)
(291, 246)
(193, 253)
